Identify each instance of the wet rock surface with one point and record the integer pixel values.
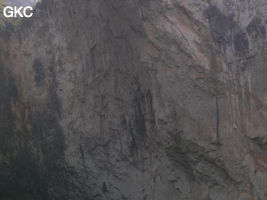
(135, 100)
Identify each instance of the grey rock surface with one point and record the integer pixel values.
(21, 2)
(135, 100)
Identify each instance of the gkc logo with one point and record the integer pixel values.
(15, 11)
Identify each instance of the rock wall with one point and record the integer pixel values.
(135, 100)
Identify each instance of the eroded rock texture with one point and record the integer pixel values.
(135, 100)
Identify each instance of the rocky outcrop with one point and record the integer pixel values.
(135, 100)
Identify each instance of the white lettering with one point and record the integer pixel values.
(8, 11)
(30, 13)
(18, 11)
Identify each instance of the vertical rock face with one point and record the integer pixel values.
(135, 100)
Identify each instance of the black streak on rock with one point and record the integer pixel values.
(39, 73)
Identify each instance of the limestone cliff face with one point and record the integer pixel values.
(135, 100)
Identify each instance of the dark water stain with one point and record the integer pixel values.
(226, 31)
(241, 43)
(34, 165)
(39, 73)
(221, 26)
(256, 29)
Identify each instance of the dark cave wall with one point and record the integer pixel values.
(134, 100)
